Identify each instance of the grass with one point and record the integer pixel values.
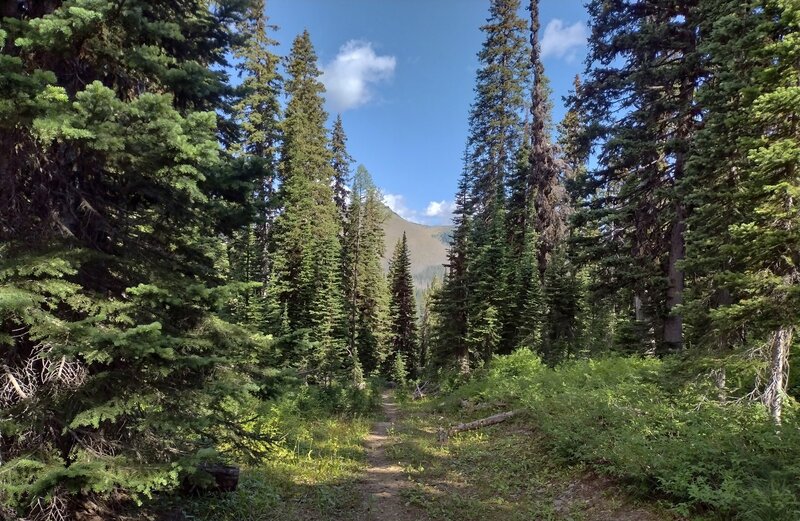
(496, 473)
(311, 469)
(313, 477)
(653, 426)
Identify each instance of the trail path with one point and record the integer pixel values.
(385, 480)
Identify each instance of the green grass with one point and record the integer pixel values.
(651, 425)
(311, 467)
(496, 473)
(314, 476)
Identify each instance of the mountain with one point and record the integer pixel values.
(427, 245)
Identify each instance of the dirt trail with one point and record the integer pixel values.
(385, 480)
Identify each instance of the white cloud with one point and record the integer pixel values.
(436, 213)
(441, 209)
(397, 203)
(563, 41)
(349, 78)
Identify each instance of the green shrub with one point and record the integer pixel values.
(643, 422)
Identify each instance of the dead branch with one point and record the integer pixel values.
(477, 424)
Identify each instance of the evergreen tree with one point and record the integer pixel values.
(305, 249)
(639, 101)
(743, 241)
(549, 201)
(562, 299)
(257, 113)
(340, 162)
(451, 303)
(429, 323)
(364, 283)
(115, 372)
(495, 122)
(526, 324)
(489, 300)
(403, 310)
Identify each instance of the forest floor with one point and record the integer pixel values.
(395, 468)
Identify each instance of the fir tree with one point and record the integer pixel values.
(641, 110)
(403, 310)
(340, 162)
(257, 113)
(745, 222)
(364, 283)
(489, 300)
(116, 374)
(305, 249)
(451, 303)
(429, 323)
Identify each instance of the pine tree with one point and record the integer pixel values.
(115, 372)
(403, 310)
(340, 162)
(257, 113)
(641, 111)
(365, 289)
(305, 249)
(743, 240)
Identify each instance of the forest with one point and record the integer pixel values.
(192, 288)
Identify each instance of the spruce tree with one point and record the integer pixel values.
(743, 242)
(365, 290)
(115, 372)
(340, 162)
(403, 311)
(639, 101)
(305, 282)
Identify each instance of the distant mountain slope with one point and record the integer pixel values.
(427, 244)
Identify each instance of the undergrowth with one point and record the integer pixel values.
(313, 456)
(662, 435)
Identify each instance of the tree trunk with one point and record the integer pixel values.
(673, 323)
(477, 424)
(779, 365)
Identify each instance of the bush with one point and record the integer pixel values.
(621, 416)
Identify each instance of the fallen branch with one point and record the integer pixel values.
(477, 424)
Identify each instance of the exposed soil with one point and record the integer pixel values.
(384, 480)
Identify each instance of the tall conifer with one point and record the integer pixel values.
(115, 371)
(364, 283)
(306, 252)
(403, 310)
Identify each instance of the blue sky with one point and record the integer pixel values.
(401, 72)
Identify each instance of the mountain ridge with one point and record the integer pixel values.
(427, 246)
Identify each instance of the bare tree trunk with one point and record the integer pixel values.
(477, 424)
(673, 323)
(638, 309)
(779, 366)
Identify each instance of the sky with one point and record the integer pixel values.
(402, 73)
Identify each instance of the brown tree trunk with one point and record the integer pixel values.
(673, 323)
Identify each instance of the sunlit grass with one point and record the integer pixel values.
(313, 475)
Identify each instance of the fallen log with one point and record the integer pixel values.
(477, 424)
